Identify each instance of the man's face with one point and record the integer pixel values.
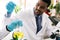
(40, 7)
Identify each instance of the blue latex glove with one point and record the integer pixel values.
(10, 7)
(14, 24)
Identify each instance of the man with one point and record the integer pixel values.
(36, 24)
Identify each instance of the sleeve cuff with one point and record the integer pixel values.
(7, 29)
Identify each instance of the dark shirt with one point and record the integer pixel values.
(38, 22)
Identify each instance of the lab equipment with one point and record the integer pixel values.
(55, 22)
(55, 35)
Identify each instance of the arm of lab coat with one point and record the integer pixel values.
(3, 33)
(6, 21)
(51, 29)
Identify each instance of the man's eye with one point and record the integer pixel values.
(42, 7)
(37, 5)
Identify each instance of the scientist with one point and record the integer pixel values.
(36, 24)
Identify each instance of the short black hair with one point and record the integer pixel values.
(48, 2)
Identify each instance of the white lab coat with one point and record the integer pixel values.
(29, 27)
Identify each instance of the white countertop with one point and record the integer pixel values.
(9, 37)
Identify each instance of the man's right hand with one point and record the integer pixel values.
(14, 24)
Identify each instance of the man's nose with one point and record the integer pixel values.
(38, 7)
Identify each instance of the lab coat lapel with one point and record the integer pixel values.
(34, 21)
(43, 19)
